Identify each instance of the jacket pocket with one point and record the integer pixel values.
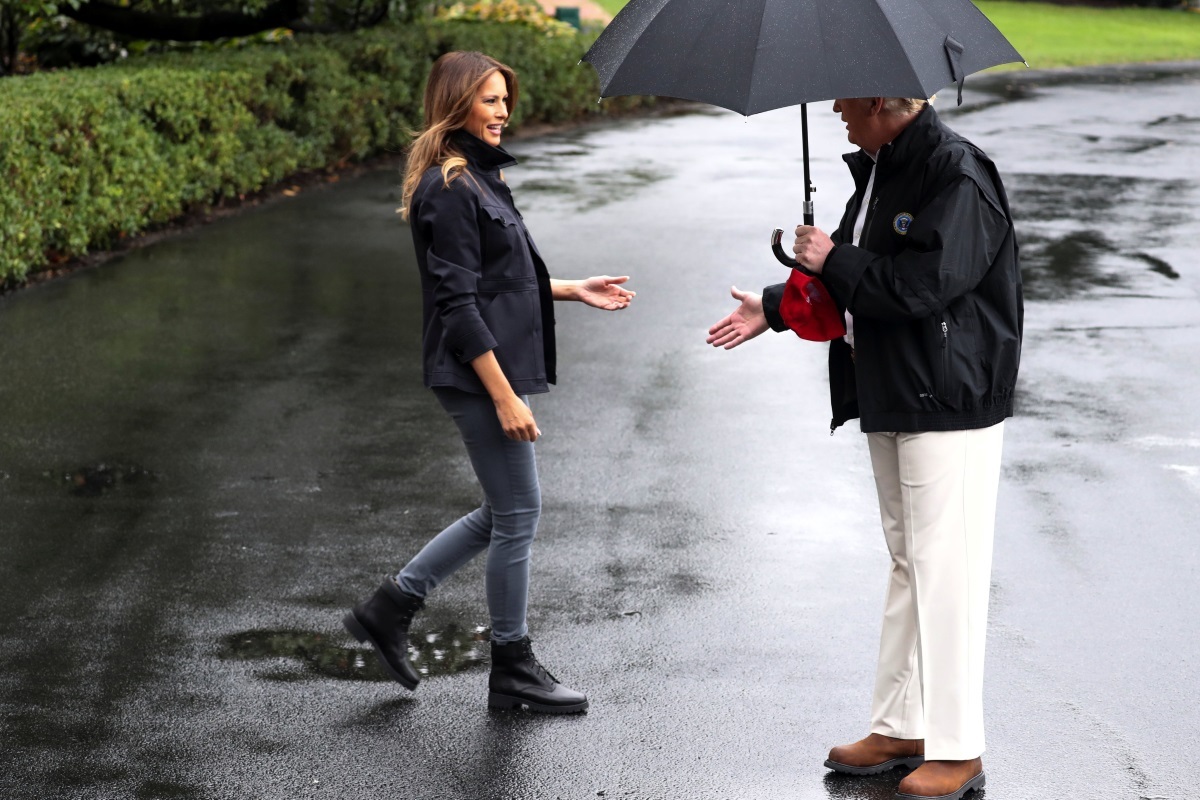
(510, 308)
(502, 214)
(945, 360)
(503, 243)
(960, 380)
(501, 285)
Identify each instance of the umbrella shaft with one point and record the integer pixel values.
(809, 218)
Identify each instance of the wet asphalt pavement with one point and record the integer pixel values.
(213, 446)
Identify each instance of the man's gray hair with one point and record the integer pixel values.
(904, 105)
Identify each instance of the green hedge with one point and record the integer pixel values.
(93, 155)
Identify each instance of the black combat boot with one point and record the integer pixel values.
(518, 679)
(383, 621)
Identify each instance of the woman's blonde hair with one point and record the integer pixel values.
(450, 94)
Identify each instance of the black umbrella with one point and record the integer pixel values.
(751, 56)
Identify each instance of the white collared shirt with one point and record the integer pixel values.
(857, 237)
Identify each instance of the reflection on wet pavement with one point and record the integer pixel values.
(433, 653)
(385, 715)
(1054, 269)
(592, 190)
(1174, 119)
(93, 480)
(1068, 227)
(1157, 265)
(160, 790)
(869, 787)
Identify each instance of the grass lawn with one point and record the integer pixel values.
(1063, 36)
(611, 6)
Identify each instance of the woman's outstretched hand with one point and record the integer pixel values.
(746, 321)
(604, 291)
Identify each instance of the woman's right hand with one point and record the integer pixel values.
(516, 419)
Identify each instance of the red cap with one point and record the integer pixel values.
(808, 309)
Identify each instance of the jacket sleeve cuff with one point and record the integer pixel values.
(471, 346)
(843, 268)
(772, 298)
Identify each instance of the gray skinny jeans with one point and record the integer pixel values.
(504, 525)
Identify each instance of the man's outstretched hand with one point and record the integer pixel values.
(746, 321)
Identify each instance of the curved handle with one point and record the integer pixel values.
(777, 249)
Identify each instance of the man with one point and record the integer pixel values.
(924, 267)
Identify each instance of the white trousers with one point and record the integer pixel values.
(937, 503)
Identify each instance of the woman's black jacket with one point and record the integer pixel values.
(935, 289)
(484, 284)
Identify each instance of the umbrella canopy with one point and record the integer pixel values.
(751, 56)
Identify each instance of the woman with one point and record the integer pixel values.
(488, 342)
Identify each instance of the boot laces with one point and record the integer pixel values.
(528, 653)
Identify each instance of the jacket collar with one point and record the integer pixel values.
(915, 139)
(480, 154)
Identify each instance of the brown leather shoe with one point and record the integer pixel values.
(876, 753)
(942, 780)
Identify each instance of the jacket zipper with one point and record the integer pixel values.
(945, 360)
(862, 239)
(870, 220)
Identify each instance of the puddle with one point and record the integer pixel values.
(1158, 265)
(685, 584)
(1174, 119)
(1057, 268)
(433, 653)
(1022, 83)
(96, 479)
(1134, 145)
(1067, 197)
(594, 190)
(591, 189)
(1083, 232)
(989, 91)
(1107, 199)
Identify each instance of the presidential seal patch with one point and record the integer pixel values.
(902, 222)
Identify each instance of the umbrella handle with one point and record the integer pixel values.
(777, 249)
(777, 234)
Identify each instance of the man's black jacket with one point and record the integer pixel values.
(484, 283)
(935, 289)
